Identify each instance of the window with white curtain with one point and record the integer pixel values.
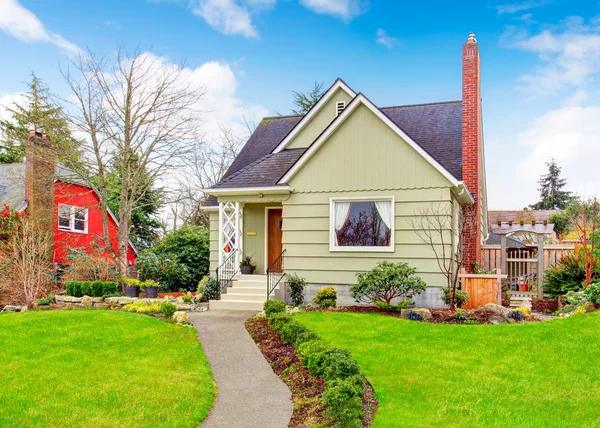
(73, 219)
(362, 224)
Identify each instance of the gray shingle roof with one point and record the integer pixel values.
(436, 127)
(266, 171)
(494, 239)
(12, 183)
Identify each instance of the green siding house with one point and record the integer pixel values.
(331, 193)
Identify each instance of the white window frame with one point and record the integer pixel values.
(333, 239)
(71, 227)
(339, 107)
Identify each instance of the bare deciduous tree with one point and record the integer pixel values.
(137, 117)
(443, 231)
(26, 261)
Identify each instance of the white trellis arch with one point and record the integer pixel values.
(230, 231)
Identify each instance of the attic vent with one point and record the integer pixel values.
(339, 107)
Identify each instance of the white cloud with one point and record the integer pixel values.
(24, 25)
(384, 39)
(227, 16)
(8, 100)
(520, 6)
(343, 9)
(570, 55)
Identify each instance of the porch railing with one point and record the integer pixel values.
(227, 271)
(275, 274)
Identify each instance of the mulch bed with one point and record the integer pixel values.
(307, 390)
(545, 305)
(438, 316)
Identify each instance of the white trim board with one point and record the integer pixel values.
(339, 83)
(271, 190)
(360, 99)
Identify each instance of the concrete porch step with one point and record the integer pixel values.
(235, 296)
(235, 305)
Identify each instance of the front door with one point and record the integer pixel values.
(274, 234)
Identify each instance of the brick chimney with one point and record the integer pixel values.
(39, 180)
(472, 149)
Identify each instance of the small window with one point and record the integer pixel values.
(73, 219)
(362, 225)
(339, 107)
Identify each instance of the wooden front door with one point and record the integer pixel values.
(274, 234)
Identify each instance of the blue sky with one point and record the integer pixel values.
(540, 61)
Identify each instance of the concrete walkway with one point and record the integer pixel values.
(250, 395)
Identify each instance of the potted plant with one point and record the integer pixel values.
(247, 265)
(131, 286)
(151, 288)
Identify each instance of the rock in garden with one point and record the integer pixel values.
(15, 308)
(181, 307)
(71, 299)
(126, 300)
(112, 300)
(59, 298)
(87, 300)
(181, 317)
(97, 299)
(497, 309)
(101, 305)
(496, 319)
(424, 312)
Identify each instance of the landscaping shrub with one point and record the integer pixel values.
(290, 332)
(592, 293)
(73, 288)
(567, 275)
(209, 288)
(460, 314)
(142, 307)
(297, 285)
(167, 309)
(460, 297)
(278, 320)
(43, 301)
(414, 316)
(339, 364)
(516, 315)
(308, 350)
(86, 288)
(273, 306)
(109, 288)
(307, 336)
(387, 281)
(343, 398)
(96, 288)
(187, 298)
(326, 297)
(393, 308)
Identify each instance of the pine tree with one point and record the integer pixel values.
(37, 113)
(551, 195)
(305, 100)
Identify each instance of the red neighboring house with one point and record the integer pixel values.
(37, 184)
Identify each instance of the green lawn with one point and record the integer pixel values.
(100, 369)
(532, 375)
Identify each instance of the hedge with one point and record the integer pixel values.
(90, 288)
(340, 371)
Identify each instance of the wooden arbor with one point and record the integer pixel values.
(533, 228)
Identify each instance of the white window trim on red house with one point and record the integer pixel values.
(72, 210)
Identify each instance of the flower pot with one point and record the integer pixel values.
(247, 270)
(523, 287)
(152, 292)
(132, 291)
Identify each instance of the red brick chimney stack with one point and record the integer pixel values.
(472, 150)
(39, 180)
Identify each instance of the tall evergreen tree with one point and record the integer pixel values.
(551, 195)
(305, 100)
(37, 113)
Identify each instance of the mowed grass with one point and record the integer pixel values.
(425, 375)
(101, 369)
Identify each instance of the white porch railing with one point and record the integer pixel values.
(231, 234)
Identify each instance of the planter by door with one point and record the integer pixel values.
(247, 270)
(132, 291)
(152, 292)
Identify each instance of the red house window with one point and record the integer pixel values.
(72, 219)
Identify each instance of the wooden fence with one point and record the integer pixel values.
(482, 289)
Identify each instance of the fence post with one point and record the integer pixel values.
(499, 286)
(503, 253)
(540, 276)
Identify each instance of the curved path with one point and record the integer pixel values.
(250, 394)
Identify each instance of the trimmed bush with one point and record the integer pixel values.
(86, 288)
(278, 320)
(73, 288)
(339, 364)
(273, 306)
(343, 398)
(308, 350)
(297, 285)
(326, 297)
(168, 309)
(44, 301)
(109, 288)
(307, 336)
(290, 332)
(96, 288)
(209, 288)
